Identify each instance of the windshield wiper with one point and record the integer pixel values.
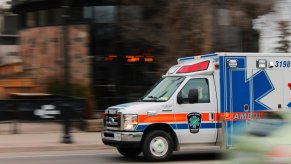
(153, 97)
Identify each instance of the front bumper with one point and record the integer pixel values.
(122, 139)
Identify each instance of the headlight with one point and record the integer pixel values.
(130, 121)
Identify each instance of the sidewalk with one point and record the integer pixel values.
(47, 137)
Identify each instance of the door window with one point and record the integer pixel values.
(203, 90)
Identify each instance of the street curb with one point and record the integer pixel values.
(64, 147)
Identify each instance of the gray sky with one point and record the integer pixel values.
(268, 25)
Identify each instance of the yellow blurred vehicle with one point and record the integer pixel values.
(267, 141)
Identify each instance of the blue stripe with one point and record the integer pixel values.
(208, 125)
(141, 127)
(193, 57)
(184, 126)
(186, 58)
(203, 126)
(208, 55)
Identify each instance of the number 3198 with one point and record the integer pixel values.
(282, 64)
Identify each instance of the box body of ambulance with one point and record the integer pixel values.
(201, 102)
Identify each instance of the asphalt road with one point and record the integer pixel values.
(105, 156)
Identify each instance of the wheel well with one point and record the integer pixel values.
(165, 127)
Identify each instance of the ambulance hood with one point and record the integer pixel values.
(139, 107)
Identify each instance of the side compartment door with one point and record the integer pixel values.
(196, 122)
(268, 90)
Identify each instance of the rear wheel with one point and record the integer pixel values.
(158, 146)
(129, 152)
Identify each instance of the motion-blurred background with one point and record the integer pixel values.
(112, 51)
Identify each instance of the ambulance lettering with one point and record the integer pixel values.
(247, 115)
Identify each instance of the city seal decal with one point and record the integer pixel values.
(194, 121)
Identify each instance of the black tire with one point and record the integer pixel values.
(161, 140)
(129, 152)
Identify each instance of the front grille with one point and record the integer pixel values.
(112, 119)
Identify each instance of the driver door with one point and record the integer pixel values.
(196, 121)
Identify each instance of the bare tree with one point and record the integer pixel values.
(284, 43)
(175, 28)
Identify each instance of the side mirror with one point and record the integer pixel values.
(193, 96)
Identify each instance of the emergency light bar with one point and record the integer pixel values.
(194, 67)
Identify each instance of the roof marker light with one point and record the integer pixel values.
(261, 63)
(232, 63)
(194, 67)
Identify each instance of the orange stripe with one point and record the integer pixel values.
(173, 118)
(181, 117)
(205, 117)
(156, 118)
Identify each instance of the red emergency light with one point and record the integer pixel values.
(194, 67)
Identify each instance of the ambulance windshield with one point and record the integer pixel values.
(163, 89)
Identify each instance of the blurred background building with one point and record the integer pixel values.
(8, 36)
(12, 78)
(119, 48)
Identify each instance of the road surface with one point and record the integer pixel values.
(105, 156)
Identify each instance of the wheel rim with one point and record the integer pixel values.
(159, 146)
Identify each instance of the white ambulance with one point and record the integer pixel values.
(187, 106)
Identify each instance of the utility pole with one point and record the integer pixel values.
(66, 106)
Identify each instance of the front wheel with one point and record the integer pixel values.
(127, 152)
(158, 146)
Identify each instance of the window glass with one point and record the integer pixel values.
(130, 13)
(50, 15)
(10, 25)
(104, 14)
(105, 32)
(76, 15)
(8, 40)
(203, 90)
(30, 19)
(163, 89)
(88, 12)
(42, 17)
(57, 16)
